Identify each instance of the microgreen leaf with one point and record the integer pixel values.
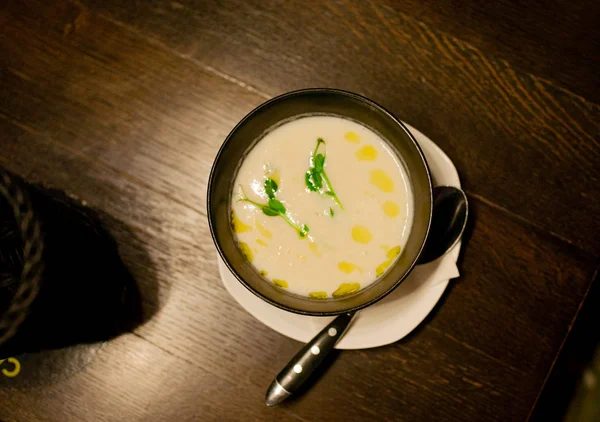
(304, 231)
(316, 178)
(309, 182)
(271, 187)
(276, 205)
(331, 213)
(269, 211)
(316, 175)
(319, 163)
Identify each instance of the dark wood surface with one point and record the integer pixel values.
(125, 104)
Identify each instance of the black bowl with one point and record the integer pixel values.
(280, 110)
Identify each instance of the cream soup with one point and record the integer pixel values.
(321, 206)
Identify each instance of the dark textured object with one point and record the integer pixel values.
(85, 295)
(21, 260)
(276, 112)
(126, 103)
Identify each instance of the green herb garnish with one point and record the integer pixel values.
(274, 207)
(270, 188)
(316, 175)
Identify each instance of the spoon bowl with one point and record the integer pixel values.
(450, 213)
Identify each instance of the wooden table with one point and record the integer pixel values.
(125, 103)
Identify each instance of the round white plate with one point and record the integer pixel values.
(386, 321)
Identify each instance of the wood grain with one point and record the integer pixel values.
(133, 380)
(131, 125)
(514, 136)
(153, 113)
(554, 40)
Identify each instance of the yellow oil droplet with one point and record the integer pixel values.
(238, 225)
(380, 179)
(263, 273)
(394, 252)
(318, 295)
(391, 209)
(315, 249)
(366, 153)
(361, 234)
(246, 251)
(275, 176)
(381, 268)
(346, 289)
(352, 137)
(385, 247)
(348, 267)
(266, 233)
(261, 242)
(280, 283)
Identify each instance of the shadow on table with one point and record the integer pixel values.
(88, 294)
(466, 237)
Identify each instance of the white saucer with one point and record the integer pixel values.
(386, 321)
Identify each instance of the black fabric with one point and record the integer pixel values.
(87, 293)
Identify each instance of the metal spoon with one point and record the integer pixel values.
(450, 210)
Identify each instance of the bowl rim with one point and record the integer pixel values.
(267, 103)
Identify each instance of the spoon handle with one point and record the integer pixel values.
(307, 360)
